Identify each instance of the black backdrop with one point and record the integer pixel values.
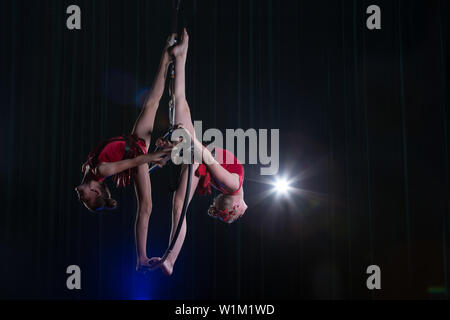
(363, 119)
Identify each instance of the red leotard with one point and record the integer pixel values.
(228, 161)
(113, 150)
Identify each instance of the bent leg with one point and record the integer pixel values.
(143, 128)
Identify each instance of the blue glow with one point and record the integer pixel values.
(144, 286)
(119, 277)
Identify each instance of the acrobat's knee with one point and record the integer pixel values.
(145, 208)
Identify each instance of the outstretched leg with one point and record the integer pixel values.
(143, 128)
(182, 111)
(143, 191)
(182, 115)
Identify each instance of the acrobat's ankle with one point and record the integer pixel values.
(167, 267)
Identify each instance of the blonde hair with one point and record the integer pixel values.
(226, 209)
(223, 202)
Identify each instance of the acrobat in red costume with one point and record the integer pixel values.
(126, 157)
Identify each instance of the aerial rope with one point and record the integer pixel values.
(167, 136)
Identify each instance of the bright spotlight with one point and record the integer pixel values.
(281, 186)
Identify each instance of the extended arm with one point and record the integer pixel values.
(230, 181)
(107, 169)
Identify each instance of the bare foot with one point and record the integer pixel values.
(142, 268)
(180, 50)
(154, 263)
(166, 267)
(145, 265)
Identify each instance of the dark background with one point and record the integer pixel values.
(363, 119)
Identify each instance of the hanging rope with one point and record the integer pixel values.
(185, 206)
(172, 106)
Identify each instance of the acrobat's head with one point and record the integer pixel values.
(228, 208)
(95, 196)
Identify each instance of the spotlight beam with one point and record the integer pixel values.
(282, 186)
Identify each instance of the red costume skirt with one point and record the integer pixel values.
(117, 149)
(228, 161)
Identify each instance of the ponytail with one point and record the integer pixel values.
(110, 204)
(104, 201)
